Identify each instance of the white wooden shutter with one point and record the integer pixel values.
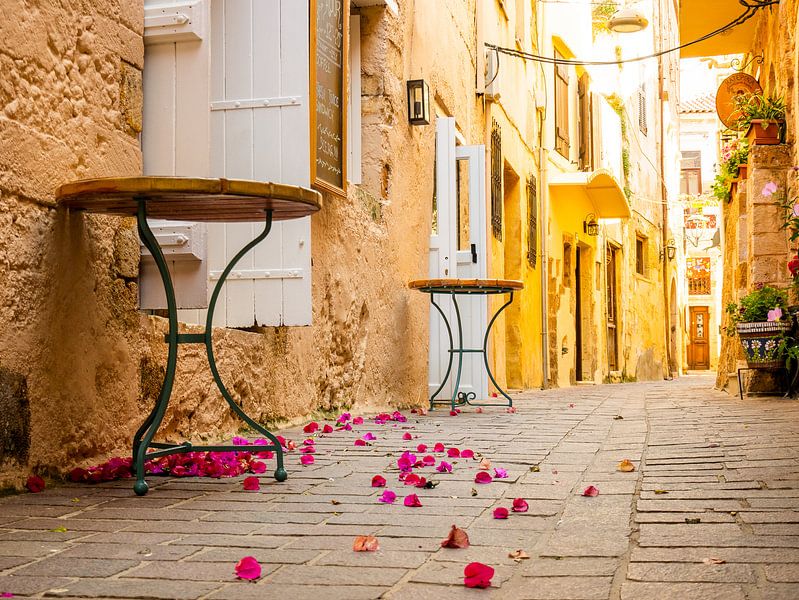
(242, 96)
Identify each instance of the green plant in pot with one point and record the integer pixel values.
(762, 117)
(762, 323)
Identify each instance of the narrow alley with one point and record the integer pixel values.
(710, 510)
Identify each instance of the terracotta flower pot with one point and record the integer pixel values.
(760, 342)
(764, 133)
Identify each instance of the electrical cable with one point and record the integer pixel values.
(751, 11)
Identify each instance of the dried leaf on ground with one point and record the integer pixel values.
(535, 469)
(626, 466)
(712, 560)
(457, 538)
(365, 543)
(518, 555)
(661, 492)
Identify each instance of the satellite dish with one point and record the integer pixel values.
(737, 84)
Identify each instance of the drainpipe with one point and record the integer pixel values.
(663, 193)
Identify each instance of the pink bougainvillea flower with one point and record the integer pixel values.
(365, 543)
(307, 459)
(483, 477)
(327, 428)
(429, 460)
(439, 447)
(357, 421)
(240, 441)
(78, 475)
(6, 595)
(281, 440)
(444, 467)
(248, 568)
(590, 491)
(35, 484)
(347, 427)
(457, 538)
(265, 454)
(308, 442)
(369, 436)
(520, 505)
(308, 450)
(510, 409)
(406, 461)
(251, 483)
(485, 464)
(421, 448)
(388, 497)
(378, 481)
(413, 479)
(343, 418)
(453, 452)
(398, 417)
(769, 189)
(256, 466)
(453, 413)
(407, 436)
(360, 442)
(467, 453)
(500, 473)
(311, 427)
(500, 512)
(290, 445)
(477, 575)
(412, 500)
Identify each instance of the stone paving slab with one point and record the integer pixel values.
(711, 510)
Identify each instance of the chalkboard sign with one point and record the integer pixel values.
(328, 94)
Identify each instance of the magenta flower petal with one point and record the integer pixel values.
(378, 481)
(520, 505)
(407, 436)
(453, 453)
(311, 427)
(307, 459)
(477, 575)
(483, 477)
(256, 466)
(500, 473)
(444, 467)
(369, 436)
(240, 441)
(439, 447)
(327, 428)
(248, 568)
(388, 497)
(308, 450)
(357, 421)
(467, 453)
(35, 484)
(412, 500)
(429, 460)
(360, 442)
(251, 483)
(590, 491)
(500, 512)
(421, 448)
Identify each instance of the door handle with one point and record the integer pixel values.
(474, 253)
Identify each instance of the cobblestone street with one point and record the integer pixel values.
(711, 511)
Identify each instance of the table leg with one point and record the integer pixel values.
(485, 349)
(451, 347)
(455, 395)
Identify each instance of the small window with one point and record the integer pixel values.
(561, 106)
(640, 258)
(642, 124)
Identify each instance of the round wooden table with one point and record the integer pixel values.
(189, 199)
(466, 287)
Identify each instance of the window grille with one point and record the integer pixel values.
(532, 212)
(496, 181)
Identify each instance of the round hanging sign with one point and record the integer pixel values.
(737, 84)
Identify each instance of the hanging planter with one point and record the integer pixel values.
(761, 343)
(764, 132)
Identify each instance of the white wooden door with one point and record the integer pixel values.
(457, 250)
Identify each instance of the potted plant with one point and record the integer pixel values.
(762, 117)
(760, 320)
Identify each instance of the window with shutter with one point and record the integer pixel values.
(496, 181)
(532, 212)
(586, 125)
(561, 107)
(642, 124)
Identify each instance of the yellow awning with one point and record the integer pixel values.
(602, 189)
(700, 17)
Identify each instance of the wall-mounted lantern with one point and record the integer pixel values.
(590, 225)
(418, 102)
(670, 250)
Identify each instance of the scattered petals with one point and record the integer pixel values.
(365, 543)
(429, 460)
(518, 555)
(256, 466)
(467, 453)
(6, 595)
(421, 448)
(457, 538)
(422, 411)
(500, 512)
(407, 436)
(483, 477)
(327, 428)
(412, 500)
(510, 409)
(248, 568)
(479, 409)
(378, 481)
(308, 450)
(251, 483)
(712, 560)
(360, 442)
(343, 418)
(291, 445)
(444, 467)
(240, 441)
(369, 436)
(453, 413)
(307, 459)
(485, 464)
(500, 473)
(626, 466)
(412, 479)
(35, 484)
(477, 575)
(311, 427)
(520, 505)
(439, 447)
(590, 491)
(357, 421)
(388, 497)
(453, 453)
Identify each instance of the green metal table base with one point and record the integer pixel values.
(143, 440)
(461, 398)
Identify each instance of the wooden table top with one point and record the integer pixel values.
(190, 198)
(466, 286)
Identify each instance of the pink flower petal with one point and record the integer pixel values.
(590, 491)
(477, 575)
(429, 460)
(327, 429)
(483, 477)
(369, 436)
(388, 497)
(360, 442)
(510, 409)
(500, 512)
(256, 466)
(421, 448)
(307, 459)
(378, 481)
(412, 479)
(248, 568)
(453, 453)
(251, 483)
(485, 464)
(365, 543)
(444, 467)
(407, 436)
(357, 421)
(500, 473)
(311, 427)
(467, 453)
(479, 409)
(240, 441)
(35, 484)
(412, 500)
(520, 505)
(439, 447)
(344, 417)
(290, 445)
(453, 413)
